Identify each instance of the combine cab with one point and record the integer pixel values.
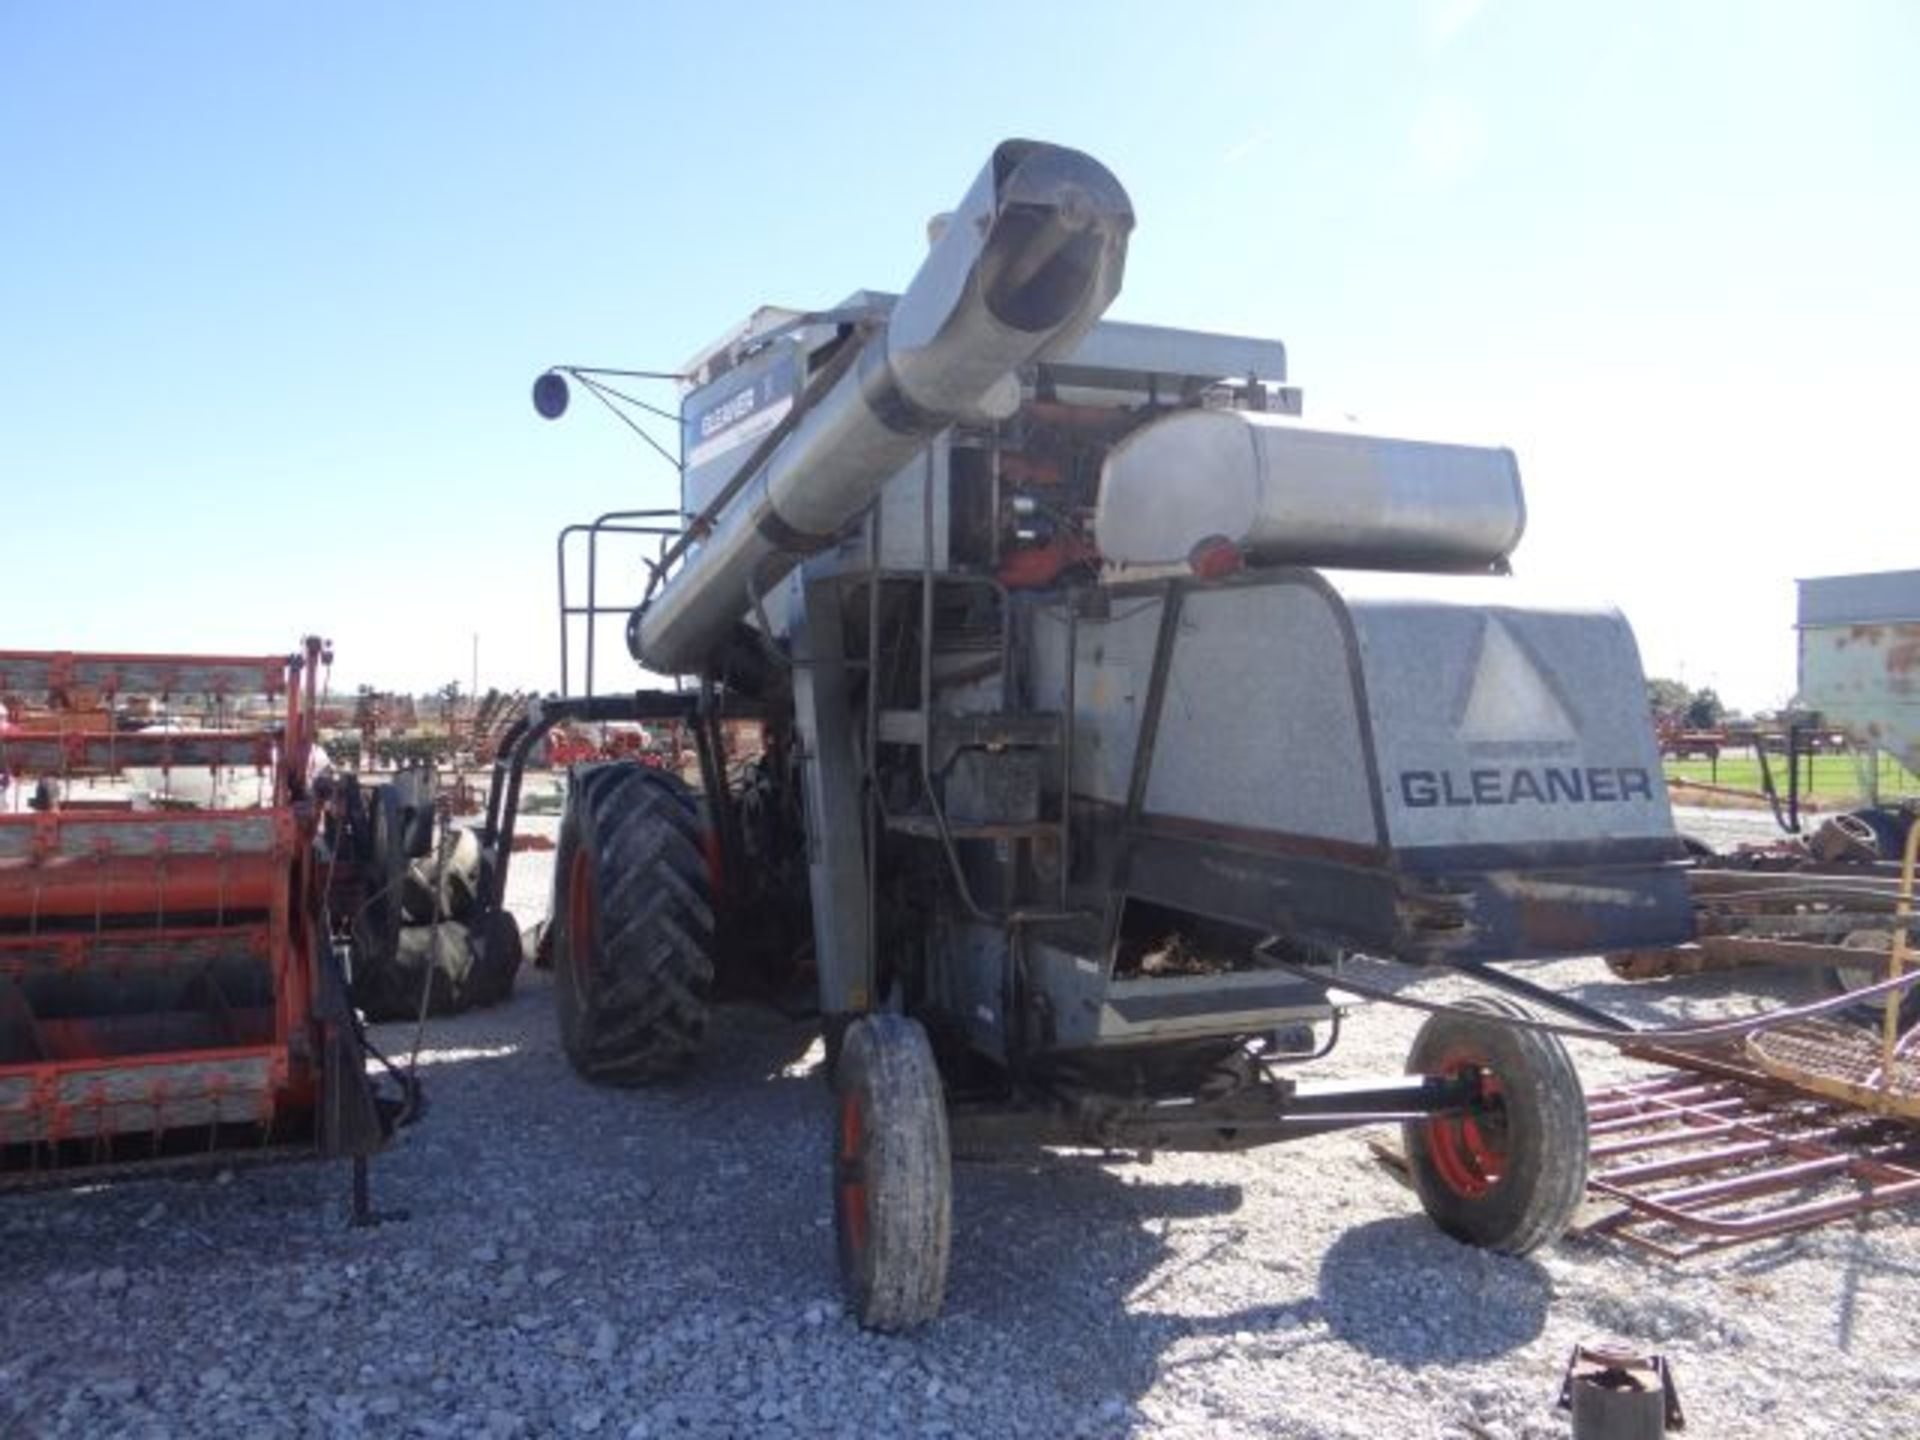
(168, 985)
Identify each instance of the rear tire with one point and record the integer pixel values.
(1508, 1175)
(892, 1174)
(632, 927)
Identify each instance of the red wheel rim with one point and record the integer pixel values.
(580, 908)
(850, 1178)
(1469, 1151)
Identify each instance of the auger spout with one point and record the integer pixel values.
(1031, 258)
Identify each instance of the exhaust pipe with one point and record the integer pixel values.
(1032, 257)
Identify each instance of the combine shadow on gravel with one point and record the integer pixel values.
(1070, 1252)
(1077, 1257)
(1397, 1289)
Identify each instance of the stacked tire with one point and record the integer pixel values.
(424, 938)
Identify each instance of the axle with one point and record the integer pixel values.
(1260, 1112)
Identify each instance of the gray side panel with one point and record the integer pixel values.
(1507, 725)
(1260, 730)
(1115, 658)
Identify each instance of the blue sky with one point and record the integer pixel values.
(274, 281)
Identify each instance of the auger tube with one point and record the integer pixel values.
(1033, 256)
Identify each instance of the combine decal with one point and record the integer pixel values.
(743, 416)
(1542, 785)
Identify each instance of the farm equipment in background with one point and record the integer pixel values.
(1823, 899)
(1817, 1120)
(569, 745)
(493, 715)
(1107, 707)
(169, 987)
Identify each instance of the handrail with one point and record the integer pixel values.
(613, 522)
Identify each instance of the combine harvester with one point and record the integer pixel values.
(1107, 705)
(169, 989)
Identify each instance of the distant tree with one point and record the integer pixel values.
(1668, 698)
(1704, 710)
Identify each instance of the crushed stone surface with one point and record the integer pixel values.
(659, 1263)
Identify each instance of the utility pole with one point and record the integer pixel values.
(473, 688)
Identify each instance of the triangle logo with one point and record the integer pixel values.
(1509, 698)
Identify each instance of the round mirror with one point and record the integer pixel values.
(550, 395)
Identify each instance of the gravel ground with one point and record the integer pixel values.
(660, 1263)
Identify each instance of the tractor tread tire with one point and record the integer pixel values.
(893, 1253)
(1544, 1177)
(633, 992)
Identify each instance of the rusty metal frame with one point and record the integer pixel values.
(1753, 1160)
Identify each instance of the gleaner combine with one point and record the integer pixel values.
(1108, 704)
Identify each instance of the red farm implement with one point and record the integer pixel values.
(168, 988)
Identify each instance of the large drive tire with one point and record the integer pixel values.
(632, 927)
(1509, 1174)
(892, 1176)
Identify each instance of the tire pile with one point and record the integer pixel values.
(424, 934)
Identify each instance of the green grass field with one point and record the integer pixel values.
(1831, 779)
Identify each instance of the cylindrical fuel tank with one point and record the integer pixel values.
(1288, 493)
